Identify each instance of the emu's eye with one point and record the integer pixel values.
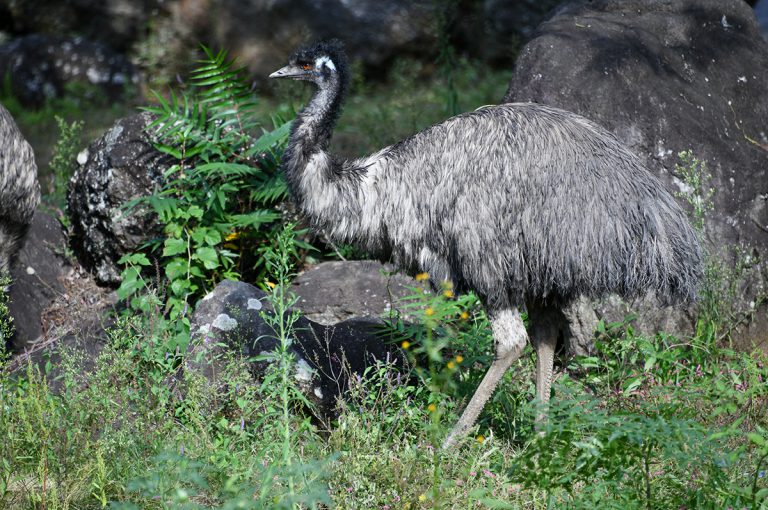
(306, 67)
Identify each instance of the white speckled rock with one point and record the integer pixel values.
(229, 321)
(118, 167)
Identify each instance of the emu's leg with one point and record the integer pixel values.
(509, 338)
(546, 322)
(544, 339)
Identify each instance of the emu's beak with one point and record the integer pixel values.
(289, 71)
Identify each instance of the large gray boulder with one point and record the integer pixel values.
(335, 291)
(228, 322)
(54, 303)
(37, 275)
(118, 167)
(39, 67)
(665, 77)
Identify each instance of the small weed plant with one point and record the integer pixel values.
(721, 306)
(64, 160)
(698, 193)
(6, 320)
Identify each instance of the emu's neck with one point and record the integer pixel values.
(314, 124)
(313, 127)
(324, 187)
(311, 135)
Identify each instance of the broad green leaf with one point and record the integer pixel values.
(131, 282)
(138, 259)
(173, 247)
(195, 211)
(649, 363)
(208, 256)
(632, 384)
(177, 268)
(180, 286)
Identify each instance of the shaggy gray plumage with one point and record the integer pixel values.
(524, 204)
(19, 188)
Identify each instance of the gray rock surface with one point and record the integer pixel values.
(335, 291)
(494, 30)
(668, 76)
(53, 301)
(39, 67)
(120, 166)
(228, 322)
(37, 279)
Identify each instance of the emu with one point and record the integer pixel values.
(19, 189)
(528, 206)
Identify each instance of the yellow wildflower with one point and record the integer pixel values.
(431, 408)
(429, 312)
(232, 235)
(451, 365)
(464, 316)
(422, 276)
(405, 344)
(459, 359)
(270, 285)
(422, 497)
(448, 293)
(480, 438)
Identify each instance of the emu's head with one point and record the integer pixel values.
(323, 63)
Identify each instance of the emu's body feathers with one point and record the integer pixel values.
(19, 188)
(518, 202)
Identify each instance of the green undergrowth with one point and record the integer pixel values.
(218, 203)
(647, 422)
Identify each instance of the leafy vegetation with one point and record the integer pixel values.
(655, 423)
(218, 204)
(721, 305)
